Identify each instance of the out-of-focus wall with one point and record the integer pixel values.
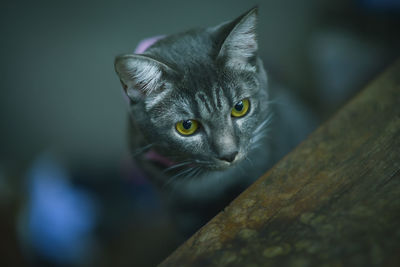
(58, 89)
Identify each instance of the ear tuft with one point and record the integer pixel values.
(140, 75)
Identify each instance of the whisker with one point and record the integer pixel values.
(192, 173)
(249, 160)
(178, 175)
(189, 173)
(142, 149)
(198, 172)
(203, 161)
(265, 123)
(277, 101)
(261, 131)
(184, 163)
(260, 127)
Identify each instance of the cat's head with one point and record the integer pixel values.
(200, 95)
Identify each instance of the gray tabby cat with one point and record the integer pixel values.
(200, 112)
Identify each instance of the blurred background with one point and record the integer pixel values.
(69, 193)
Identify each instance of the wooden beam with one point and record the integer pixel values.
(333, 201)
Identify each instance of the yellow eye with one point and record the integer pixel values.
(187, 127)
(240, 109)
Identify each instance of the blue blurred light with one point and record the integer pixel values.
(61, 217)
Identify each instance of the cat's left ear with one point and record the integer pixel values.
(239, 48)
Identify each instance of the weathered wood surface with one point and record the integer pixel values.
(333, 201)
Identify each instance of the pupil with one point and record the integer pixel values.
(187, 124)
(239, 106)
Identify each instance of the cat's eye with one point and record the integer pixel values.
(187, 127)
(240, 108)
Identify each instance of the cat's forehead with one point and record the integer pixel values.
(211, 103)
(207, 102)
(201, 100)
(200, 97)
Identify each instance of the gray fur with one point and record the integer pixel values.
(200, 74)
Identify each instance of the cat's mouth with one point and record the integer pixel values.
(210, 164)
(219, 166)
(222, 164)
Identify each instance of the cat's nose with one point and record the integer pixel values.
(229, 157)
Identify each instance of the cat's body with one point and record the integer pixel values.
(210, 81)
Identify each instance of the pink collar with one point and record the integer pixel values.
(156, 157)
(146, 43)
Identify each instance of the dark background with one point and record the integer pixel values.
(61, 102)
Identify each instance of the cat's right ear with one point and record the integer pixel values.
(140, 75)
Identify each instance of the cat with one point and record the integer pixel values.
(200, 113)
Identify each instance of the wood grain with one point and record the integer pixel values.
(333, 201)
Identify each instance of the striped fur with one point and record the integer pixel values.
(200, 75)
